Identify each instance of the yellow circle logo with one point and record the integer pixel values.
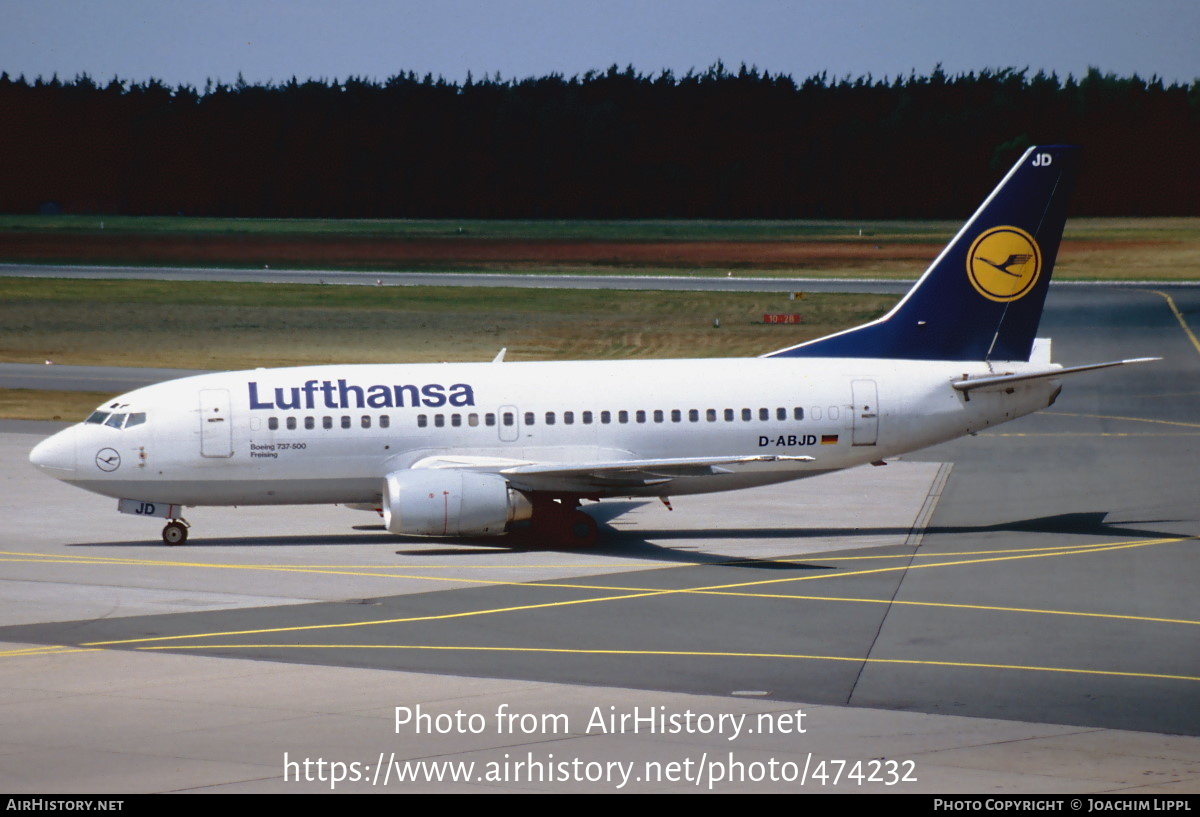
(1003, 264)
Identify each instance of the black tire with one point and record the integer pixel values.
(581, 530)
(175, 533)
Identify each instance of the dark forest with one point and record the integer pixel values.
(612, 144)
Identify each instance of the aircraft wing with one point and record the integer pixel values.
(603, 475)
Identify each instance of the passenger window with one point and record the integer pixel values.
(797, 413)
(549, 418)
(622, 416)
(384, 421)
(489, 419)
(729, 415)
(568, 418)
(439, 420)
(693, 415)
(273, 423)
(422, 421)
(816, 412)
(747, 415)
(640, 416)
(135, 419)
(676, 416)
(587, 418)
(658, 415)
(366, 421)
(780, 414)
(310, 423)
(326, 422)
(710, 415)
(456, 420)
(605, 417)
(528, 419)
(509, 418)
(291, 423)
(345, 421)
(833, 412)
(472, 419)
(764, 414)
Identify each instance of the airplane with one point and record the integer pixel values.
(481, 449)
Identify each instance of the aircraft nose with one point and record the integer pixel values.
(55, 455)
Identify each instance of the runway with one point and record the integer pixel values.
(706, 281)
(1012, 611)
(741, 282)
(57, 377)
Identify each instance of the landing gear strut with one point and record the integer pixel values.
(176, 532)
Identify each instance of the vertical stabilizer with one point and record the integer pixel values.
(982, 297)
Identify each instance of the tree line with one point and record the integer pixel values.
(611, 144)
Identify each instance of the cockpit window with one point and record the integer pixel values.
(112, 420)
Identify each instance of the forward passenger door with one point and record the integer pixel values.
(216, 424)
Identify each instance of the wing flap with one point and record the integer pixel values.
(606, 474)
(675, 467)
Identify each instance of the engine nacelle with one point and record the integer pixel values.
(451, 503)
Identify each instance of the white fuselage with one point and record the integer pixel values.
(331, 434)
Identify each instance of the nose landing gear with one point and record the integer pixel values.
(175, 532)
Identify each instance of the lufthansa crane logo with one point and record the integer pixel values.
(108, 460)
(1004, 263)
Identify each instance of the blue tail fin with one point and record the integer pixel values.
(982, 298)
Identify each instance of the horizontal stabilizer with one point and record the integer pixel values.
(1004, 380)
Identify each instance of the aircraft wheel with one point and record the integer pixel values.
(175, 533)
(581, 530)
(559, 527)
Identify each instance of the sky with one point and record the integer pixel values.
(187, 42)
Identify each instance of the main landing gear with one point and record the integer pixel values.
(175, 532)
(562, 524)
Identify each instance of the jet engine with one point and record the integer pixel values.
(451, 503)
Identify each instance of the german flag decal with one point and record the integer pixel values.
(829, 439)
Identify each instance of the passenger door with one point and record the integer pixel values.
(866, 412)
(216, 424)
